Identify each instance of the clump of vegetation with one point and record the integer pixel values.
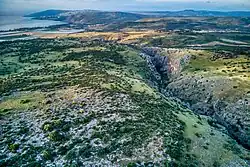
(131, 164)
(55, 124)
(25, 101)
(47, 155)
(13, 147)
(55, 136)
(47, 127)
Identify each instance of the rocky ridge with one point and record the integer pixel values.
(196, 93)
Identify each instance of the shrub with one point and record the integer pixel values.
(47, 126)
(13, 147)
(25, 101)
(55, 136)
(131, 164)
(47, 155)
(198, 134)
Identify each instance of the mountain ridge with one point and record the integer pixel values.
(53, 12)
(200, 13)
(86, 16)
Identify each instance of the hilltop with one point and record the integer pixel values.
(87, 16)
(198, 13)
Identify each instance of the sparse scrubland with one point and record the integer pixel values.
(135, 97)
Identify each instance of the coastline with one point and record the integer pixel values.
(23, 23)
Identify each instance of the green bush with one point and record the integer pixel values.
(13, 147)
(55, 136)
(25, 101)
(47, 155)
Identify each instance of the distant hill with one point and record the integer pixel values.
(87, 16)
(201, 13)
(47, 13)
(90, 17)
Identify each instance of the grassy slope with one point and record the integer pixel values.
(236, 70)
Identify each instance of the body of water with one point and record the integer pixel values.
(16, 22)
(61, 31)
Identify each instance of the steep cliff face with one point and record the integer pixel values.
(213, 96)
(158, 65)
(236, 117)
(201, 97)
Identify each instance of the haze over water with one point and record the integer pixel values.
(16, 22)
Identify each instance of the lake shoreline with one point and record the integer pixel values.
(21, 23)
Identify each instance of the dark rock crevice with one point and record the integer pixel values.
(158, 65)
(231, 116)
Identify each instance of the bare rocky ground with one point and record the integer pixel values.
(89, 127)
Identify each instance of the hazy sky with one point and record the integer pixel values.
(125, 5)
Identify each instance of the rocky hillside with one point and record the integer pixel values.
(65, 102)
(212, 84)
